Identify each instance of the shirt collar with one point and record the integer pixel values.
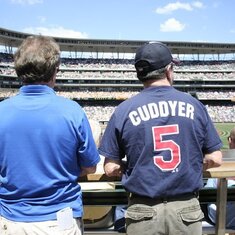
(36, 89)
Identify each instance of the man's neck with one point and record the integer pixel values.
(161, 82)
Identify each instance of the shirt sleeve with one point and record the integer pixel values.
(110, 146)
(212, 140)
(87, 150)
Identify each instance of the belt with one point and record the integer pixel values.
(164, 199)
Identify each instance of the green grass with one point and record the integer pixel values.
(224, 131)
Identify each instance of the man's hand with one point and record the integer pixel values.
(87, 170)
(113, 168)
(213, 159)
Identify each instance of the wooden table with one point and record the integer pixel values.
(225, 171)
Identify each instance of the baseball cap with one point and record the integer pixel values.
(152, 56)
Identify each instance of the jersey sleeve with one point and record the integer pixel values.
(212, 140)
(110, 144)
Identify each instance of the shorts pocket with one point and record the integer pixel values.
(139, 212)
(191, 214)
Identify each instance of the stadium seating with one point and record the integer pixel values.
(109, 80)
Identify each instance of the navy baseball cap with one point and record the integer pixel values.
(152, 56)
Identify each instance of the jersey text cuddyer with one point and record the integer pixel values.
(161, 109)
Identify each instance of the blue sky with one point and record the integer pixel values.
(162, 20)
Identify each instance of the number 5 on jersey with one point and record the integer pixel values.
(168, 145)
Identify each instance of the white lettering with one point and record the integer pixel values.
(190, 111)
(144, 113)
(172, 105)
(161, 109)
(153, 110)
(181, 109)
(135, 119)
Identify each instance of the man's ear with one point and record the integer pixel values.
(169, 75)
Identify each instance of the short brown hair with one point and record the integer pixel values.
(37, 59)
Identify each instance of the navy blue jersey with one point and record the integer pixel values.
(164, 134)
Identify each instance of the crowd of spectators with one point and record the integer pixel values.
(119, 94)
(99, 94)
(92, 63)
(215, 95)
(222, 113)
(78, 74)
(205, 75)
(122, 74)
(90, 68)
(218, 113)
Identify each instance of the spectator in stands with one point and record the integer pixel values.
(212, 182)
(164, 134)
(46, 144)
(231, 139)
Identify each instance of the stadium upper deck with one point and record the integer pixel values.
(11, 39)
(100, 83)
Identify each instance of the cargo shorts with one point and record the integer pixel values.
(181, 217)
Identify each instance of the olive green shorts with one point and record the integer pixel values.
(181, 217)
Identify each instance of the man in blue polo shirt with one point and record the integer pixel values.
(46, 144)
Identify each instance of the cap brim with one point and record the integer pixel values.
(176, 61)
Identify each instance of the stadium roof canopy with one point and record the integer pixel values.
(12, 39)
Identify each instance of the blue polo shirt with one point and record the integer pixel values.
(45, 139)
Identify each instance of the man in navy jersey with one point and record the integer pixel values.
(165, 136)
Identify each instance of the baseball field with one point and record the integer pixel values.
(224, 130)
